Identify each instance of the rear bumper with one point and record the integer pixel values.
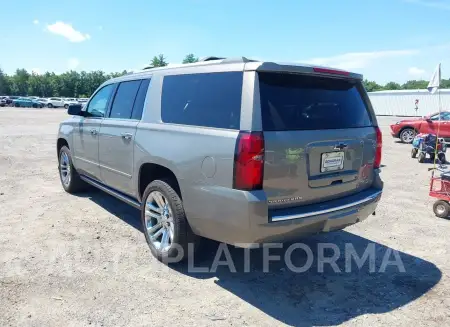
(240, 223)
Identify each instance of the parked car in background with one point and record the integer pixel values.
(82, 100)
(44, 101)
(3, 101)
(55, 102)
(27, 102)
(436, 123)
(238, 151)
(10, 99)
(69, 101)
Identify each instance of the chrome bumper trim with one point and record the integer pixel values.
(370, 198)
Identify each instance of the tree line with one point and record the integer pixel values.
(372, 86)
(73, 84)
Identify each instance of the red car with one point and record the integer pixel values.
(406, 129)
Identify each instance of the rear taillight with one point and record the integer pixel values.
(377, 162)
(249, 161)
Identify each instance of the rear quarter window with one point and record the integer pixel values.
(210, 100)
(303, 102)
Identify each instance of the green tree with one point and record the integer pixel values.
(414, 85)
(35, 85)
(371, 86)
(20, 82)
(5, 87)
(392, 86)
(159, 61)
(189, 59)
(445, 83)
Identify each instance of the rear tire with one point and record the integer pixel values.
(421, 157)
(35, 105)
(70, 180)
(441, 209)
(176, 226)
(407, 135)
(414, 152)
(16, 105)
(50, 105)
(66, 106)
(441, 157)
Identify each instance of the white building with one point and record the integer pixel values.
(409, 102)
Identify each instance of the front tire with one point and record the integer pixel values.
(70, 180)
(165, 226)
(35, 105)
(49, 105)
(16, 105)
(407, 135)
(66, 106)
(441, 209)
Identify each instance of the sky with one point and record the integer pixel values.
(385, 40)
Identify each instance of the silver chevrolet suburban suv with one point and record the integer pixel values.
(235, 150)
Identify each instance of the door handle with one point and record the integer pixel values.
(93, 131)
(126, 136)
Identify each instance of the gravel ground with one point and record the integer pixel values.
(82, 260)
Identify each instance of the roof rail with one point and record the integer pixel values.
(211, 58)
(237, 60)
(228, 60)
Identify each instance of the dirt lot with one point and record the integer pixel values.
(82, 260)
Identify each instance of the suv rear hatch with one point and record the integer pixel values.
(319, 135)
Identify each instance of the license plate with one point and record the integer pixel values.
(332, 161)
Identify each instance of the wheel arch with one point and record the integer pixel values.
(60, 143)
(149, 171)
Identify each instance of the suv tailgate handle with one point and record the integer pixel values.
(340, 146)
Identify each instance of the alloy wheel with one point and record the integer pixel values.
(408, 135)
(159, 224)
(64, 168)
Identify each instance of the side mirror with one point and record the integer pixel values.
(75, 110)
(428, 120)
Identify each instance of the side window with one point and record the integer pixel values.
(436, 117)
(212, 100)
(124, 99)
(140, 99)
(97, 105)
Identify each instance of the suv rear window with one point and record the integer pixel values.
(302, 102)
(211, 100)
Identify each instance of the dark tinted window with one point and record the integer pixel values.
(212, 100)
(140, 99)
(300, 102)
(124, 99)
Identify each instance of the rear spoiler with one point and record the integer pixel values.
(300, 69)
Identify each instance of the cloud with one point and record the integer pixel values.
(414, 71)
(432, 4)
(73, 63)
(35, 22)
(67, 31)
(358, 60)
